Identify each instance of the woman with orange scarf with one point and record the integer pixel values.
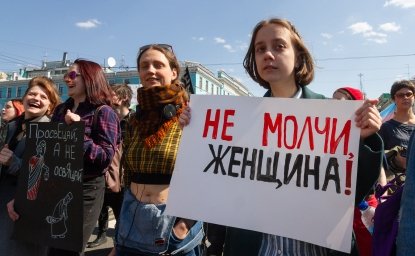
(150, 149)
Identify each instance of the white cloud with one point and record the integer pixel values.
(236, 46)
(198, 38)
(390, 27)
(92, 23)
(373, 34)
(220, 40)
(326, 35)
(366, 30)
(401, 3)
(228, 47)
(360, 27)
(378, 40)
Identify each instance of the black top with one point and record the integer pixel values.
(395, 133)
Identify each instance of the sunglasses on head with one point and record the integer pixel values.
(406, 95)
(164, 46)
(72, 75)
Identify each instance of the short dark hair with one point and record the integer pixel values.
(402, 84)
(124, 92)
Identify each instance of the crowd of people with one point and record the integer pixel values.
(278, 60)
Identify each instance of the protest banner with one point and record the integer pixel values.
(49, 196)
(279, 166)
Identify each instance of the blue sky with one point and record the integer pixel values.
(373, 37)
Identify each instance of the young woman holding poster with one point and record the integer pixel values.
(89, 92)
(278, 60)
(39, 101)
(150, 147)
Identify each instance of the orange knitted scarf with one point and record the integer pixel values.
(152, 124)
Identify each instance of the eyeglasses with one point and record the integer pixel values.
(404, 95)
(72, 75)
(164, 46)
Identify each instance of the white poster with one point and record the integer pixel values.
(279, 166)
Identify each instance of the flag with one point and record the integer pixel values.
(187, 81)
(388, 112)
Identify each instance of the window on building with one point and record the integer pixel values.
(60, 88)
(207, 86)
(1, 93)
(19, 92)
(200, 82)
(9, 92)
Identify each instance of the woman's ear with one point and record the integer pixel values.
(174, 71)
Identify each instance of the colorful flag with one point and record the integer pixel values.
(388, 112)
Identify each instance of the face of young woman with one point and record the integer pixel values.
(8, 112)
(75, 83)
(36, 102)
(155, 69)
(274, 54)
(404, 99)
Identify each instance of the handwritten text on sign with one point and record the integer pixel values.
(49, 194)
(280, 166)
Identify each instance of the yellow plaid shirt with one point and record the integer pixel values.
(159, 159)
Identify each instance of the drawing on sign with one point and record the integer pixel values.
(36, 168)
(59, 217)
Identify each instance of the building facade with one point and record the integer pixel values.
(204, 81)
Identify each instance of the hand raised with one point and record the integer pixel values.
(368, 118)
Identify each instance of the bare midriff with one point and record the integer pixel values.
(150, 193)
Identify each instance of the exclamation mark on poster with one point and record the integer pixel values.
(349, 164)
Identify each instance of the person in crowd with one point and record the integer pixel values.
(88, 92)
(150, 147)
(12, 109)
(122, 97)
(363, 237)
(39, 101)
(405, 241)
(121, 101)
(278, 60)
(348, 93)
(396, 131)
